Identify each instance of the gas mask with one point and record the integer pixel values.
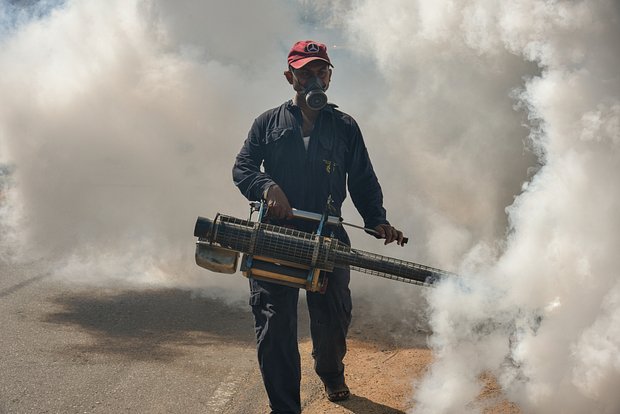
(315, 95)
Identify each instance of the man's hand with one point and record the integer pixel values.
(277, 203)
(389, 233)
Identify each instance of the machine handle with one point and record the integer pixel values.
(331, 220)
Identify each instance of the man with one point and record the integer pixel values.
(310, 152)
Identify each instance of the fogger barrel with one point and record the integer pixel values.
(300, 249)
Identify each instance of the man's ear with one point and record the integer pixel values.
(289, 76)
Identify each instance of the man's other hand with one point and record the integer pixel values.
(277, 203)
(389, 233)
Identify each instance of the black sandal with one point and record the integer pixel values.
(338, 393)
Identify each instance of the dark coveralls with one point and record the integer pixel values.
(336, 156)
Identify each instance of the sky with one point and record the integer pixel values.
(494, 129)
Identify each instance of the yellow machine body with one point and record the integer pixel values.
(284, 273)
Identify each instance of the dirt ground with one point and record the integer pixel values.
(381, 381)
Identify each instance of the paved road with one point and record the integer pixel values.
(67, 349)
(78, 350)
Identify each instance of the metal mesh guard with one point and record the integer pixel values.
(417, 274)
(279, 242)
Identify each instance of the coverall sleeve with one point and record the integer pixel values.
(247, 174)
(363, 183)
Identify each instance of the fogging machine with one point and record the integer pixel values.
(292, 257)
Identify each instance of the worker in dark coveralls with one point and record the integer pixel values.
(309, 154)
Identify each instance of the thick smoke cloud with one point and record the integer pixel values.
(539, 309)
(494, 129)
(120, 126)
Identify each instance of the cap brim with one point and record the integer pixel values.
(298, 64)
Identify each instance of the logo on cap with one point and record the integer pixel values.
(312, 48)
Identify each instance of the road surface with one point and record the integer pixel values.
(77, 349)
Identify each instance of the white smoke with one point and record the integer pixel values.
(541, 311)
(120, 126)
(494, 128)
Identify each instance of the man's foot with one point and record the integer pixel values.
(338, 393)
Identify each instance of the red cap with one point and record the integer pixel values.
(306, 51)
